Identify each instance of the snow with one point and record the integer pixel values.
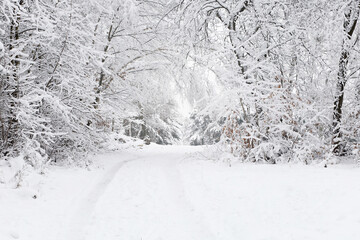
(172, 193)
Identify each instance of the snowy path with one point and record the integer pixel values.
(147, 201)
(80, 218)
(164, 193)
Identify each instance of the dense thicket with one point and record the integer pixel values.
(71, 71)
(289, 71)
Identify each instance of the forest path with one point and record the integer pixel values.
(79, 218)
(145, 199)
(173, 193)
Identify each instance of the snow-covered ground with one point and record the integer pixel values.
(169, 193)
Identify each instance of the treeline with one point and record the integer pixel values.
(290, 77)
(71, 72)
(269, 80)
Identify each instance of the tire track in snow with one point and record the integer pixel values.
(149, 203)
(182, 207)
(170, 200)
(82, 216)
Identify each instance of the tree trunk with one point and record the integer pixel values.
(12, 132)
(350, 22)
